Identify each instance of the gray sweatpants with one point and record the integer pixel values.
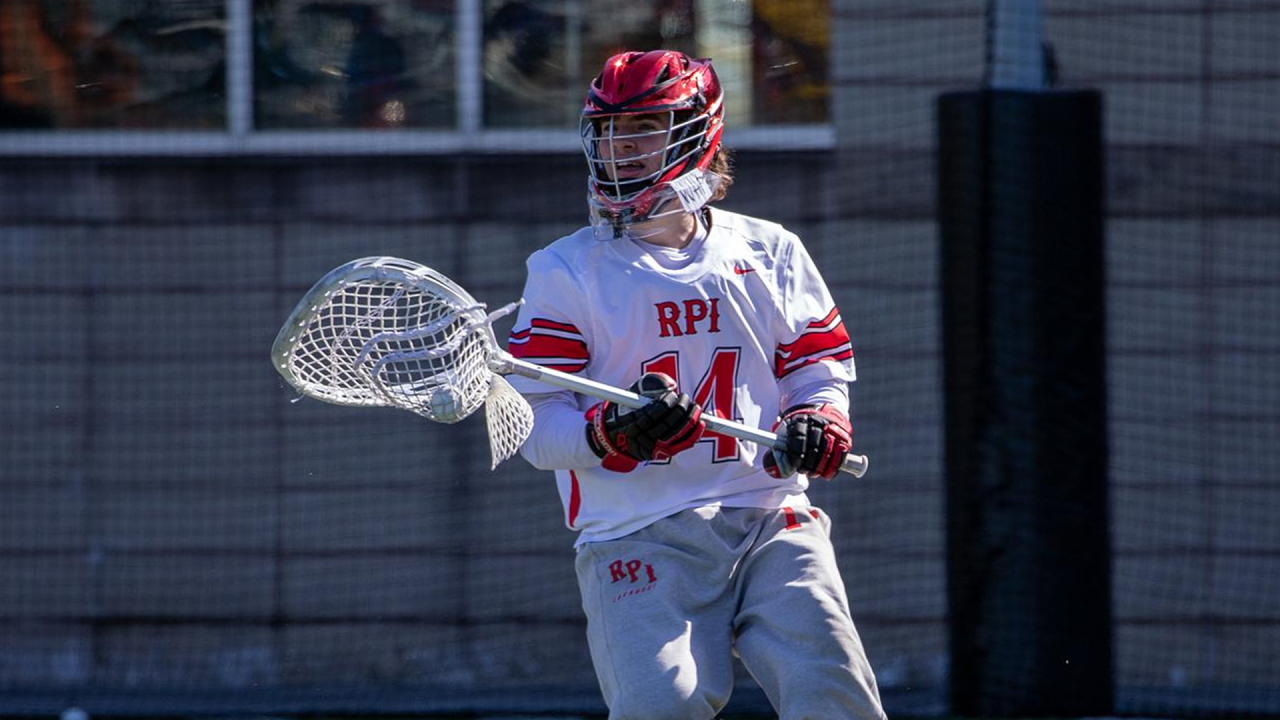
(668, 606)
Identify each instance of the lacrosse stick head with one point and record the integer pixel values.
(383, 331)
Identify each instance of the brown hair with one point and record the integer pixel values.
(723, 169)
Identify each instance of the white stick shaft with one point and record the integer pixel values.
(855, 465)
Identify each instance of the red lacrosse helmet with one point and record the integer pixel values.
(685, 94)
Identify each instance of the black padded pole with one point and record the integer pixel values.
(1021, 223)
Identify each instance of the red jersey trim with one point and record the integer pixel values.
(551, 344)
(575, 499)
(824, 339)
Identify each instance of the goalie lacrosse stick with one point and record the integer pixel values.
(381, 331)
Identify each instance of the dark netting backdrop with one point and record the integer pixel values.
(1193, 311)
(180, 535)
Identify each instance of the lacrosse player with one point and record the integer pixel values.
(692, 546)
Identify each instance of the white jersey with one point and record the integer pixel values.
(748, 316)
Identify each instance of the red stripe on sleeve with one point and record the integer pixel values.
(823, 339)
(826, 320)
(813, 342)
(782, 370)
(553, 325)
(548, 347)
(551, 344)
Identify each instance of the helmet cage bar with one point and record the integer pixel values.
(610, 220)
(604, 170)
(612, 163)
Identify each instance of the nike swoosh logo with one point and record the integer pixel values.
(743, 270)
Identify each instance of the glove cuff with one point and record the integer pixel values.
(829, 412)
(598, 440)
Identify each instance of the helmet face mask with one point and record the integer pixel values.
(606, 145)
(650, 119)
(644, 215)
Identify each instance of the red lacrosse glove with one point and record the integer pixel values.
(623, 438)
(818, 439)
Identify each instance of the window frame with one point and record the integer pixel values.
(468, 136)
